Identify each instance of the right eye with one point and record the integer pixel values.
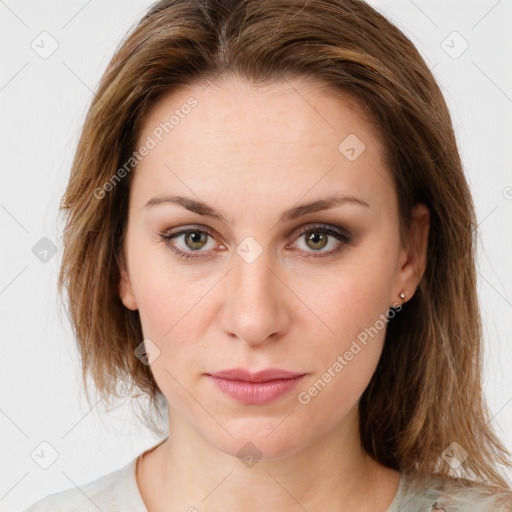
(192, 241)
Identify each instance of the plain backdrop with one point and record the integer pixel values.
(43, 100)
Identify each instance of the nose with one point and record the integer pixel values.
(256, 301)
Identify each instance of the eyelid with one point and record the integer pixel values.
(294, 232)
(334, 230)
(343, 236)
(169, 234)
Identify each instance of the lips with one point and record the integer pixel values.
(255, 388)
(266, 375)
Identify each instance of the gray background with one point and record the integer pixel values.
(43, 100)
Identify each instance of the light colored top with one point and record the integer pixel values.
(118, 492)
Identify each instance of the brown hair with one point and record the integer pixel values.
(426, 391)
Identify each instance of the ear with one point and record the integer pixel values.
(413, 258)
(125, 286)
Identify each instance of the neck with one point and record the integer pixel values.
(186, 472)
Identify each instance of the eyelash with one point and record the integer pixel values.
(342, 236)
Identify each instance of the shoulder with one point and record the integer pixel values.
(436, 492)
(100, 494)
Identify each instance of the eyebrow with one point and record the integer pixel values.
(202, 208)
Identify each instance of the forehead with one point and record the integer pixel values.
(236, 137)
(237, 108)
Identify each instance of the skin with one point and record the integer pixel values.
(252, 153)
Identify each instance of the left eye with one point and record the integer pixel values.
(196, 239)
(318, 238)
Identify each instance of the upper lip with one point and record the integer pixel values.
(261, 376)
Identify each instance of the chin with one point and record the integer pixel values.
(258, 439)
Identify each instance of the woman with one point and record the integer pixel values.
(270, 233)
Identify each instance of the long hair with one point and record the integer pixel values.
(426, 392)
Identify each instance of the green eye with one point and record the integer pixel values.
(318, 237)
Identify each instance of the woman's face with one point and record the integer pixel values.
(277, 270)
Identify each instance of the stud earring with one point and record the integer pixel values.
(401, 295)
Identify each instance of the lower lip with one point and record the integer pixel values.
(255, 393)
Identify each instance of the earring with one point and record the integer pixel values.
(401, 295)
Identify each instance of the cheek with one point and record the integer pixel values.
(345, 359)
(170, 316)
(352, 320)
(349, 299)
(167, 298)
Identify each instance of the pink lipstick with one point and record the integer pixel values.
(257, 388)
